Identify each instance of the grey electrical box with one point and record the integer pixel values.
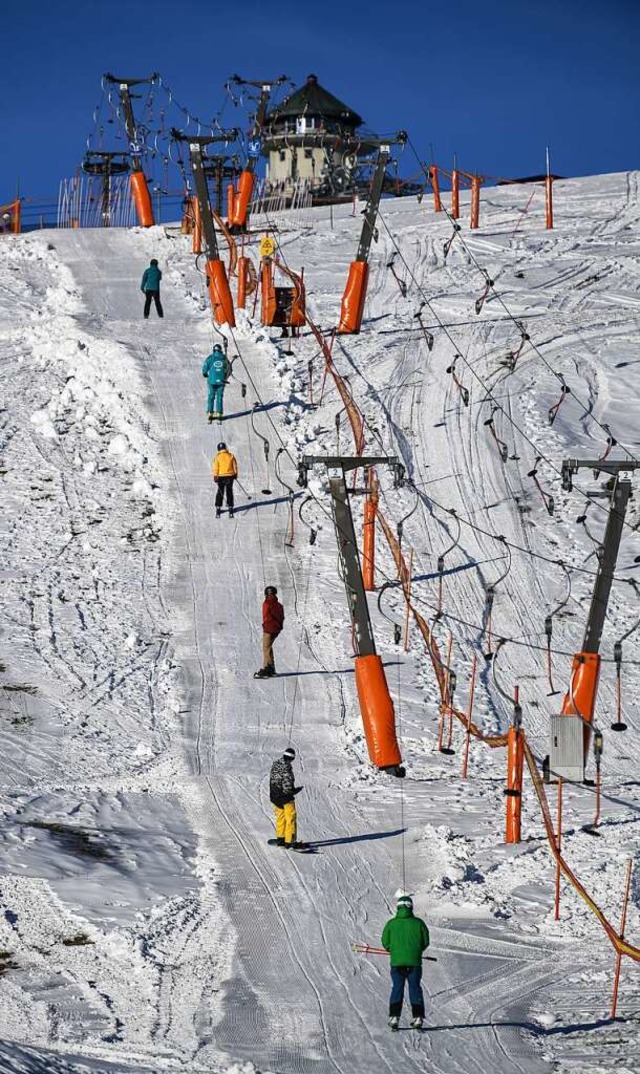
(566, 753)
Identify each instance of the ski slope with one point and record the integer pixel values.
(136, 743)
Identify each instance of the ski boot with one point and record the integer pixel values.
(231, 512)
(416, 1023)
(218, 512)
(210, 417)
(394, 1023)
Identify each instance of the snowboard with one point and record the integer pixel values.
(306, 848)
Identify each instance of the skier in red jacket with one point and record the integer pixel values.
(272, 620)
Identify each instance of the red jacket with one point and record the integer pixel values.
(272, 615)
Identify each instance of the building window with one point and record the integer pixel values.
(308, 153)
(282, 154)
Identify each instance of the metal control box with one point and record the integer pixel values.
(566, 752)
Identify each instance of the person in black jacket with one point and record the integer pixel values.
(282, 793)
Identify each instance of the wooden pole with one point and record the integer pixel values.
(465, 759)
(407, 618)
(559, 848)
(623, 922)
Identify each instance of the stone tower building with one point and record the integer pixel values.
(314, 137)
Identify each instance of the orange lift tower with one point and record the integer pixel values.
(137, 179)
(238, 207)
(376, 706)
(355, 292)
(570, 738)
(217, 280)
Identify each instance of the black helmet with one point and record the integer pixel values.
(222, 446)
(217, 347)
(269, 590)
(153, 261)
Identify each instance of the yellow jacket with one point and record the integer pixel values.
(225, 465)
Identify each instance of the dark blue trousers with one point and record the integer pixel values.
(412, 975)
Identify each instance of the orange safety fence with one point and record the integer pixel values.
(354, 413)
(494, 741)
(10, 217)
(233, 249)
(299, 305)
(621, 945)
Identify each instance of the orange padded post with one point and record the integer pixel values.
(377, 711)
(369, 534)
(142, 199)
(353, 299)
(238, 218)
(455, 193)
(435, 183)
(581, 698)
(513, 792)
(231, 197)
(242, 281)
(268, 292)
(220, 293)
(475, 201)
(299, 304)
(196, 235)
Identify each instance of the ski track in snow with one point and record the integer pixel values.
(136, 744)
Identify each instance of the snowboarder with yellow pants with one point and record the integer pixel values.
(282, 795)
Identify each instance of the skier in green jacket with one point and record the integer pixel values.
(405, 937)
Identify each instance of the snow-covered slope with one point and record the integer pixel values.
(146, 924)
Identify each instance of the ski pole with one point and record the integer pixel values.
(247, 494)
(366, 949)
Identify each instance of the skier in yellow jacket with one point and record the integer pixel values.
(225, 471)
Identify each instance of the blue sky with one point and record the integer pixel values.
(493, 81)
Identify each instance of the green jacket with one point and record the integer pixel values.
(405, 937)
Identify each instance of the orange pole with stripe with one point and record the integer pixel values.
(437, 201)
(548, 189)
(475, 201)
(513, 792)
(455, 194)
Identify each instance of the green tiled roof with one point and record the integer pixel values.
(312, 99)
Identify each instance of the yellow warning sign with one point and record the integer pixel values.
(267, 246)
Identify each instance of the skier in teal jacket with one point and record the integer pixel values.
(405, 937)
(216, 368)
(150, 287)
